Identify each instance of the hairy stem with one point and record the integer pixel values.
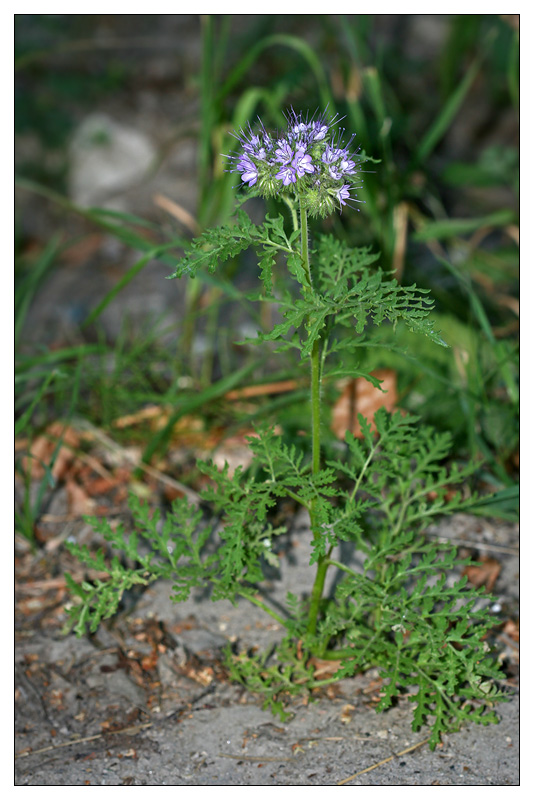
(315, 390)
(315, 395)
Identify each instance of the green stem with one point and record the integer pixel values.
(337, 655)
(316, 407)
(255, 601)
(315, 358)
(290, 204)
(304, 250)
(315, 392)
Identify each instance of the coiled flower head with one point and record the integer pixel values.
(307, 160)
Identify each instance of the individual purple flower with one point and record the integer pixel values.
(248, 169)
(286, 175)
(283, 152)
(319, 131)
(343, 193)
(347, 166)
(302, 163)
(330, 155)
(335, 172)
(299, 128)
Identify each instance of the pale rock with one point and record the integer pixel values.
(106, 160)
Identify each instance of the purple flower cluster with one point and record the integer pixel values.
(306, 160)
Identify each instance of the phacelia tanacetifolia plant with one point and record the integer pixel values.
(397, 605)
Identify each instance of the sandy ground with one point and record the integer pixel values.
(146, 701)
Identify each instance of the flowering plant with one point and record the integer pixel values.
(396, 608)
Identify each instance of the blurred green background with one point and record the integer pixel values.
(121, 121)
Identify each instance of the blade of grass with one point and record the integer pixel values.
(513, 71)
(23, 421)
(446, 228)
(123, 216)
(99, 217)
(208, 114)
(283, 40)
(129, 237)
(501, 356)
(27, 287)
(449, 111)
(452, 106)
(373, 88)
(26, 519)
(51, 356)
(126, 279)
(354, 46)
